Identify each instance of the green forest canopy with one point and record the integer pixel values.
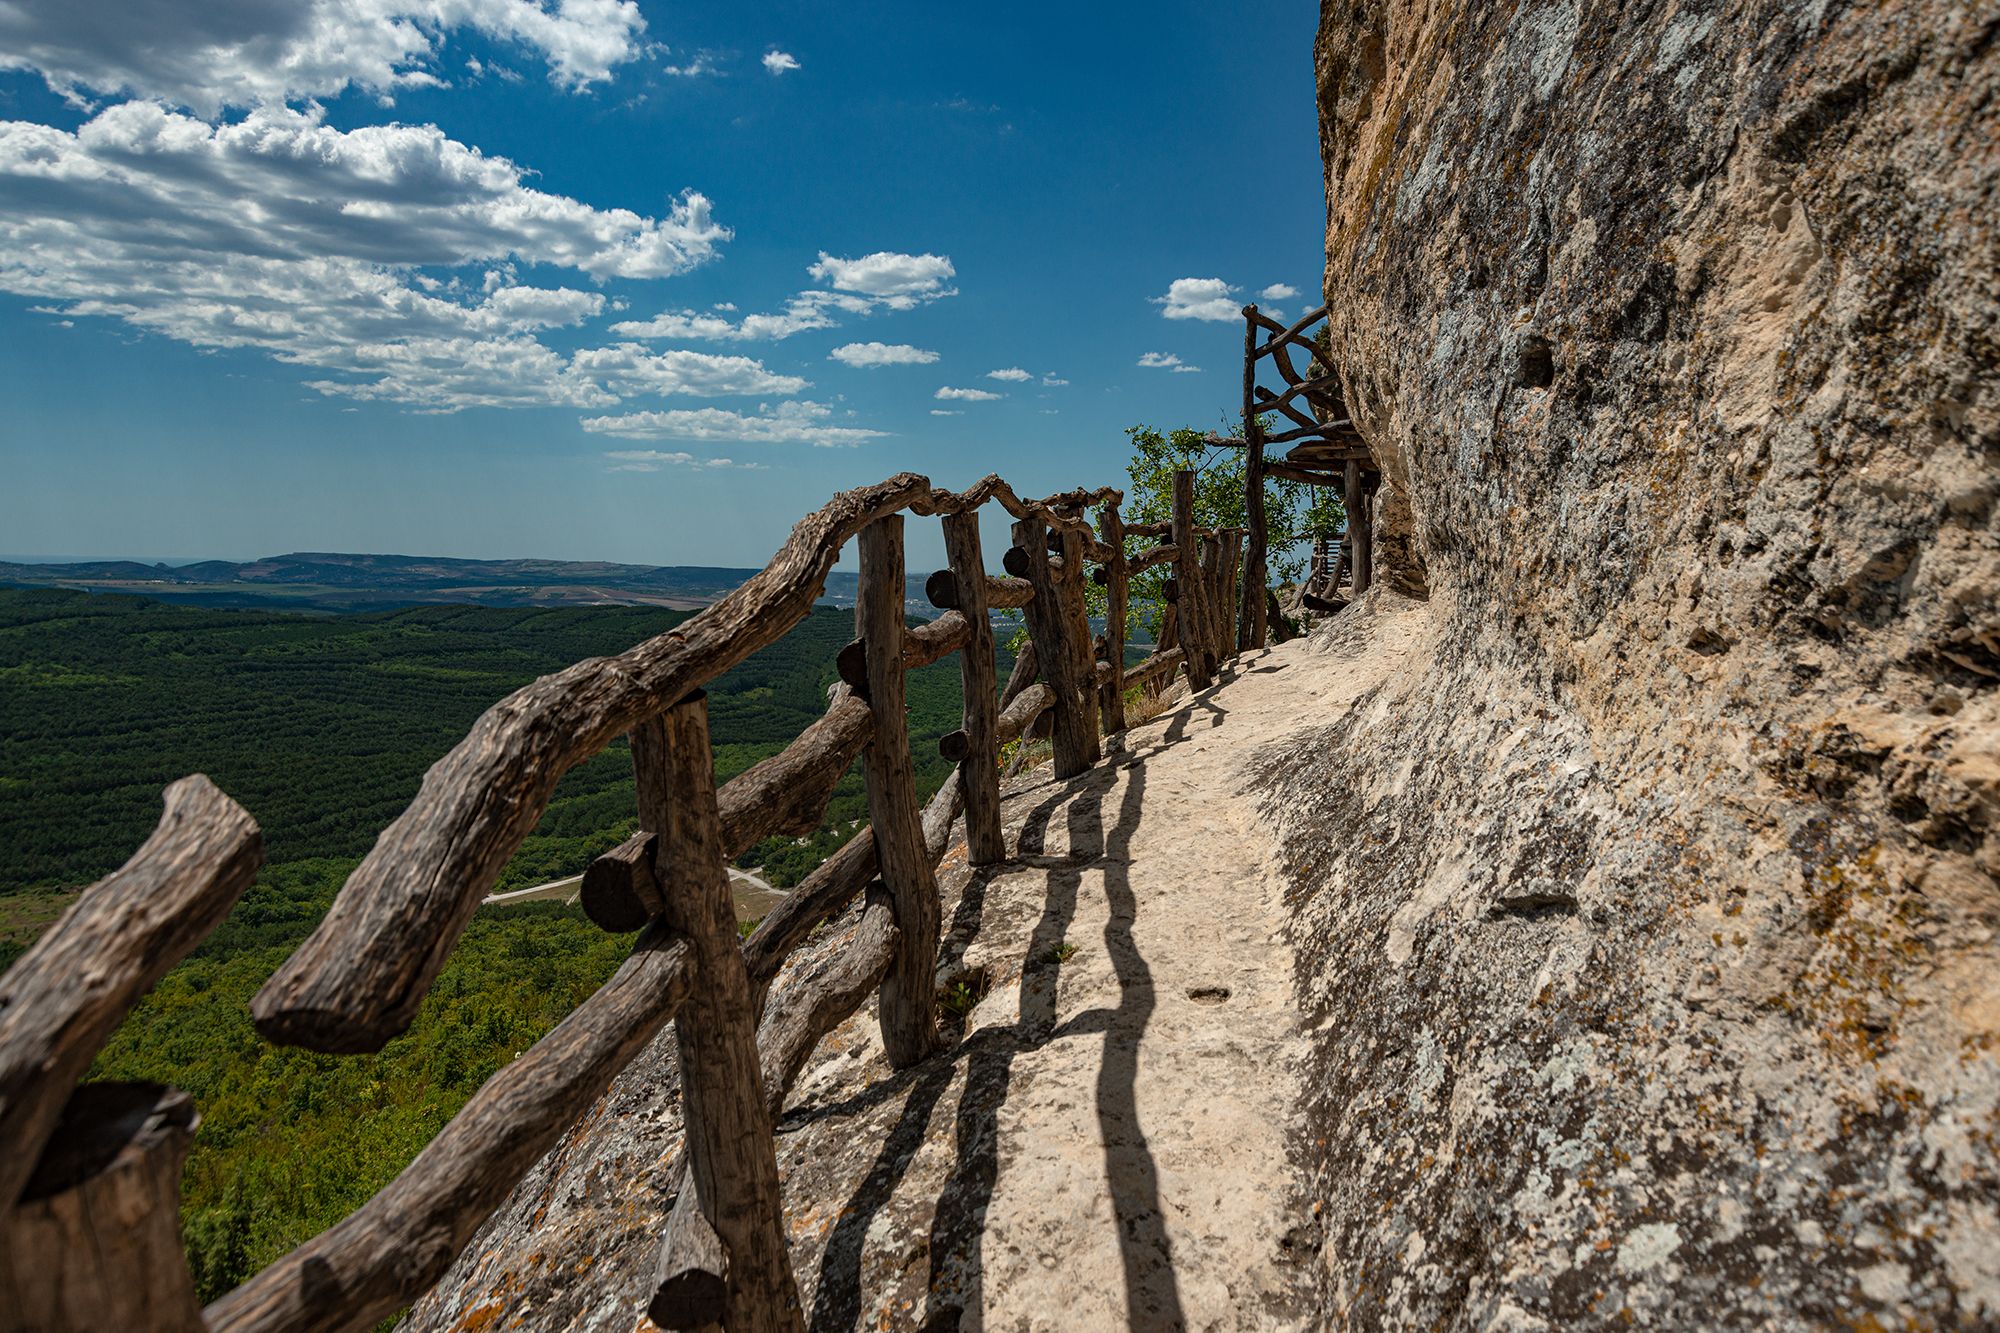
(322, 727)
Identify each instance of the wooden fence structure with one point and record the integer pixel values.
(1326, 450)
(89, 1181)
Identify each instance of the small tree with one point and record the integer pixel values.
(1293, 512)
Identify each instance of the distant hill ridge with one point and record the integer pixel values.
(343, 581)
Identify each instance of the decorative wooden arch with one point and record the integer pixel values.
(1325, 450)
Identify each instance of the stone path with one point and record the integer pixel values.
(1107, 1145)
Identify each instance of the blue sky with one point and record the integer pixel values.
(509, 277)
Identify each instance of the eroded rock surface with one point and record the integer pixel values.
(1646, 912)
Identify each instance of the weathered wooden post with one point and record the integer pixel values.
(1213, 597)
(733, 1165)
(95, 1239)
(64, 998)
(1250, 632)
(979, 767)
(1193, 620)
(1060, 628)
(909, 992)
(1111, 695)
(1229, 585)
(1358, 541)
(1073, 547)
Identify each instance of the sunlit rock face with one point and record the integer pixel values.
(1648, 901)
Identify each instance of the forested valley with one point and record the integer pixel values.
(322, 727)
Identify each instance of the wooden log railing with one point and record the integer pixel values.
(89, 1184)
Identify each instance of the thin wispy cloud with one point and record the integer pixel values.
(449, 374)
(882, 281)
(655, 460)
(1199, 298)
(1013, 374)
(780, 62)
(870, 355)
(799, 422)
(702, 65)
(949, 394)
(946, 412)
(803, 314)
(1053, 381)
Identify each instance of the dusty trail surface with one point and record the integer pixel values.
(1107, 1144)
(1107, 1147)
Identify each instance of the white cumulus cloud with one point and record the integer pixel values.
(881, 354)
(887, 276)
(1199, 298)
(1013, 374)
(242, 53)
(282, 183)
(948, 394)
(780, 62)
(799, 422)
(281, 233)
(1278, 291)
(1168, 361)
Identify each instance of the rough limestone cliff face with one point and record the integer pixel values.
(1648, 905)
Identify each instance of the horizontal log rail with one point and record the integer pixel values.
(1277, 468)
(358, 978)
(784, 795)
(945, 592)
(392, 1248)
(1318, 430)
(1159, 664)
